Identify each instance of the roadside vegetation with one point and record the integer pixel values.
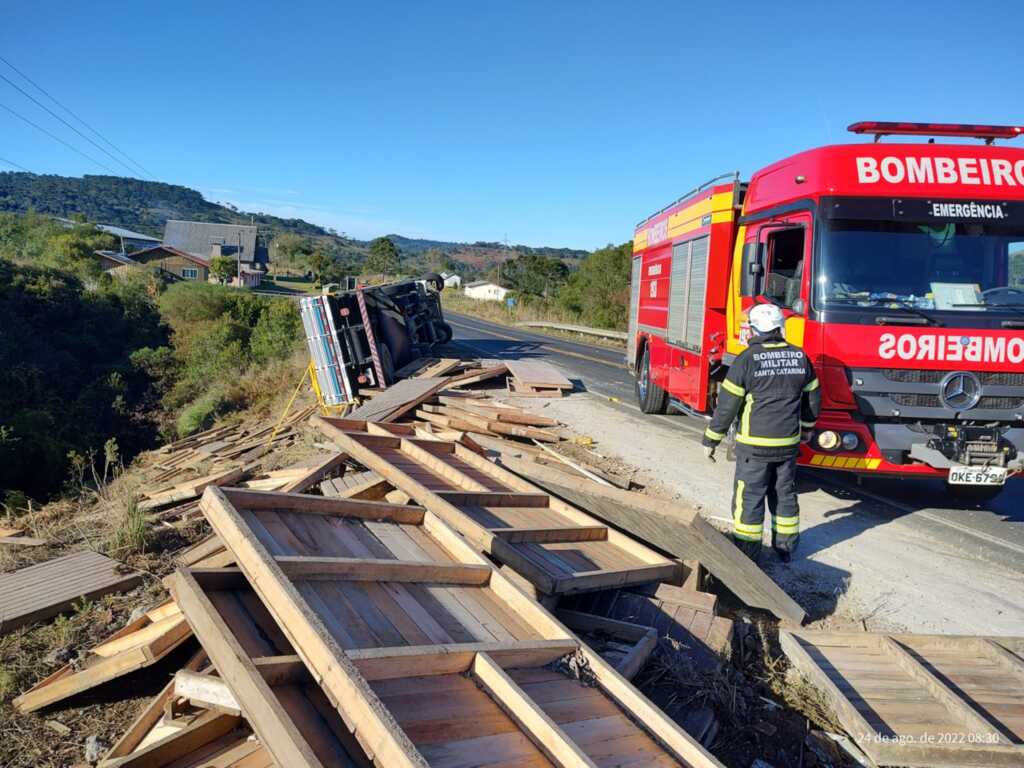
(595, 294)
(91, 365)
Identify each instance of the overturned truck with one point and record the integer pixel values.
(359, 338)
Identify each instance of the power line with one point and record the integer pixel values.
(14, 165)
(56, 101)
(58, 138)
(53, 114)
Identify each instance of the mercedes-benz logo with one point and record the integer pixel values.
(960, 391)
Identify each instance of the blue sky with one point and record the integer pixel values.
(549, 123)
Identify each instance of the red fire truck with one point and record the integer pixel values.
(900, 269)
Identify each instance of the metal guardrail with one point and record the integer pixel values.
(622, 335)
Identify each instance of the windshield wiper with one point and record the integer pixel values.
(909, 308)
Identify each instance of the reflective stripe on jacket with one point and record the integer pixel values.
(772, 389)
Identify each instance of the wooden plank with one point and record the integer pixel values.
(552, 534)
(262, 709)
(538, 373)
(205, 729)
(313, 474)
(43, 590)
(959, 708)
(671, 528)
(398, 399)
(847, 675)
(364, 569)
(205, 690)
(21, 541)
(494, 499)
(323, 505)
(193, 488)
(376, 729)
(150, 715)
(455, 658)
(540, 728)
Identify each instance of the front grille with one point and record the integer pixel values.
(916, 400)
(1000, 403)
(913, 376)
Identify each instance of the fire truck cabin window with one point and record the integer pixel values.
(785, 265)
(954, 266)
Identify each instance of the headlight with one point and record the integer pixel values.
(828, 440)
(850, 441)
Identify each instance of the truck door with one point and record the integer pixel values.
(776, 269)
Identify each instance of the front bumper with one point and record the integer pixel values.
(899, 449)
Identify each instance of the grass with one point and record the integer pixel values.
(290, 284)
(131, 537)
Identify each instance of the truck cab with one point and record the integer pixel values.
(900, 268)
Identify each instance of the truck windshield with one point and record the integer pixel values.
(950, 266)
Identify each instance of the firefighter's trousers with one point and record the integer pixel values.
(758, 481)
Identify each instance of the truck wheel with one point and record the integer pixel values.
(444, 333)
(435, 280)
(974, 494)
(649, 396)
(387, 364)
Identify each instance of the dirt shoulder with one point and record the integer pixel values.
(860, 562)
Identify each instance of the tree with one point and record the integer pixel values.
(321, 264)
(223, 268)
(384, 258)
(599, 290)
(534, 274)
(290, 250)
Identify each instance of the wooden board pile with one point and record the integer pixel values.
(536, 378)
(177, 474)
(366, 633)
(458, 595)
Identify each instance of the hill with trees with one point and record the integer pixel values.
(145, 206)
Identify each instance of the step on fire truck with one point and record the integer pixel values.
(900, 269)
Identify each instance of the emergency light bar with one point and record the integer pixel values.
(987, 132)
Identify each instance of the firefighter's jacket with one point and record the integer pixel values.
(772, 389)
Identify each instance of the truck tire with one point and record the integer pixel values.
(649, 396)
(444, 333)
(974, 494)
(435, 280)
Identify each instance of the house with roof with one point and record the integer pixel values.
(451, 280)
(485, 290)
(130, 241)
(172, 261)
(207, 241)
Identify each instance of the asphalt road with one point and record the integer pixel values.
(993, 531)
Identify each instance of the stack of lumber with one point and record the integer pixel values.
(487, 418)
(536, 378)
(180, 471)
(365, 633)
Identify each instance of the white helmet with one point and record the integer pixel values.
(766, 317)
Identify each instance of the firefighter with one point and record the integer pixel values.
(772, 389)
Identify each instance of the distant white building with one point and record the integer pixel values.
(451, 280)
(483, 290)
